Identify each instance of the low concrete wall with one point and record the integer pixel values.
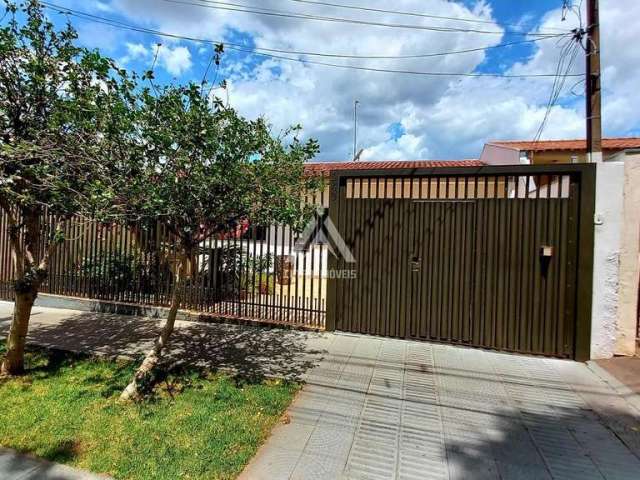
(606, 260)
(616, 257)
(629, 275)
(148, 311)
(90, 305)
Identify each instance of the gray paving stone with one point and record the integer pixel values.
(405, 410)
(16, 466)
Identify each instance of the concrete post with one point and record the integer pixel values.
(607, 242)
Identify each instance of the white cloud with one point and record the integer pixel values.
(103, 7)
(443, 117)
(175, 60)
(135, 51)
(407, 146)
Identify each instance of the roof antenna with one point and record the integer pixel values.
(358, 155)
(355, 131)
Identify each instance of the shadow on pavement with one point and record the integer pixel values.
(14, 465)
(568, 444)
(251, 353)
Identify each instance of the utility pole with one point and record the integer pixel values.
(355, 130)
(594, 115)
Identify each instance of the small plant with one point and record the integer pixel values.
(265, 284)
(111, 271)
(242, 273)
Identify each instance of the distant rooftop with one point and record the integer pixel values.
(326, 167)
(580, 145)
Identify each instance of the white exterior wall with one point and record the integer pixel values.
(606, 260)
(497, 155)
(629, 275)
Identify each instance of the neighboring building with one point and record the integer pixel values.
(550, 151)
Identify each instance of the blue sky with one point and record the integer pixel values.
(401, 116)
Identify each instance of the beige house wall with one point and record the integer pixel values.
(548, 158)
(495, 155)
(560, 156)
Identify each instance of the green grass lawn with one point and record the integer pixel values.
(197, 425)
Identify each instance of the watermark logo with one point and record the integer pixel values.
(321, 231)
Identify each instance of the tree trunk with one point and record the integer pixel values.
(25, 239)
(13, 363)
(143, 379)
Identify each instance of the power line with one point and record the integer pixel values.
(414, 14)
(263, 52)
(410, 72)
(418, 55)
(234, 7)
(402, 57)
(89, 16)
(569, 51)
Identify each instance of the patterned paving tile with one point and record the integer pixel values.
(385, 409)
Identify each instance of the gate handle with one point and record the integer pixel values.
(416, 262)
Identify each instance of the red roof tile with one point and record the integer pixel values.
(581, 145)
(326, 167)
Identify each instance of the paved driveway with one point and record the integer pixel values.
(386, 409)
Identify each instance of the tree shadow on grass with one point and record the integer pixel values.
(63, 451)
(250, 353)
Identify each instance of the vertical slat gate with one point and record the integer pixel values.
(487, 259)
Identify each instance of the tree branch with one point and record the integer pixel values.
(51, 247)
(17, 253)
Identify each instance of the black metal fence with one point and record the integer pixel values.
(254, 272)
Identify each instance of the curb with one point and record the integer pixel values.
(621, 389)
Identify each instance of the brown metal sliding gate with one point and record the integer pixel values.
(496, 257)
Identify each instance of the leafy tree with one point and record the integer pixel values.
(204, 170)
(63, 111)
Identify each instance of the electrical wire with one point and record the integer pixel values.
(570, 50)
(566, 60)
(301, 52)
(234, 7)
(414, 14)
(263, 52)
(407, 72)
(402, 57)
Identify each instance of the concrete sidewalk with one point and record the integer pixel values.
(16, 466)
(248, 351)
(392, 409)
